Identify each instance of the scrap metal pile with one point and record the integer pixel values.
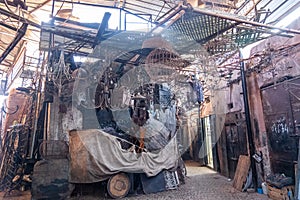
(14, 171)
(138, 94)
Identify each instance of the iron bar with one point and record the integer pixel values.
(253, 7)
(241, 7)
(11, 46)
(175, 12)
(266, 31)
(248, 121)
(152, 4)
(272, 12)
(266, 4)
(286, 13)
(101, 6)
(142, 7)
(157, 19)
(102, 27)
(8, 26)
(39, 6)
(19, 18)
(87, 25)
(86, 4)
(128, 12)
(162, 7)
(70, 35)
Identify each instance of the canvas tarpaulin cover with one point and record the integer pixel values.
(96, 155)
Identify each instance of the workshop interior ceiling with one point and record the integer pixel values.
(211, 23)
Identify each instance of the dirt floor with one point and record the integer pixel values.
(201, 184)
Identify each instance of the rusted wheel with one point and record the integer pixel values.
(118, 185)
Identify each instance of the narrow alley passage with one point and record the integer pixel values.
(202, 183)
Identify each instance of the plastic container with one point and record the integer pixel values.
(259, 190)
(264, 188)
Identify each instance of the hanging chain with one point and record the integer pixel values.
(61, 73)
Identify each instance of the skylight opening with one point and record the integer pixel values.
(287, 20)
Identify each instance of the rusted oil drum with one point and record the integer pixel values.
(118, 185)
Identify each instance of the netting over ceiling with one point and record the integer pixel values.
(217, 34)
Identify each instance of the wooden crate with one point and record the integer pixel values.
(285, 193)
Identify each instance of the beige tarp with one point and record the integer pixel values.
(96, 155)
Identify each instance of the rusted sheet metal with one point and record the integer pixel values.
(281, 105)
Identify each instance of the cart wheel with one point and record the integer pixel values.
(118, 185)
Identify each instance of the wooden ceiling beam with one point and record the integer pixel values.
(39, 6)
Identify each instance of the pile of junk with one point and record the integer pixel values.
(131, 118)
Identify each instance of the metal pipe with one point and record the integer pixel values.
(11, 46)
(242, 6)
(19, 18)
(39, 6)
(278, 7)
(253, 7)
(205, 12)
(248, 120)
(180, 8)
(142, 7)
(286, 13)
(102, 28)
(8, 26)
(37, 103)
(138, 16)
(86, 4)
(266, 4)
(101, 6)
(69, 21)
(157, 19)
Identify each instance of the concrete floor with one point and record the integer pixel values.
(201, 184)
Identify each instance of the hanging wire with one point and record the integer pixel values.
(61, 73)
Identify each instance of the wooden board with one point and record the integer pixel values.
(241, 172)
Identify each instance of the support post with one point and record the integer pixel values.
(248, 120)
(102, 28)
